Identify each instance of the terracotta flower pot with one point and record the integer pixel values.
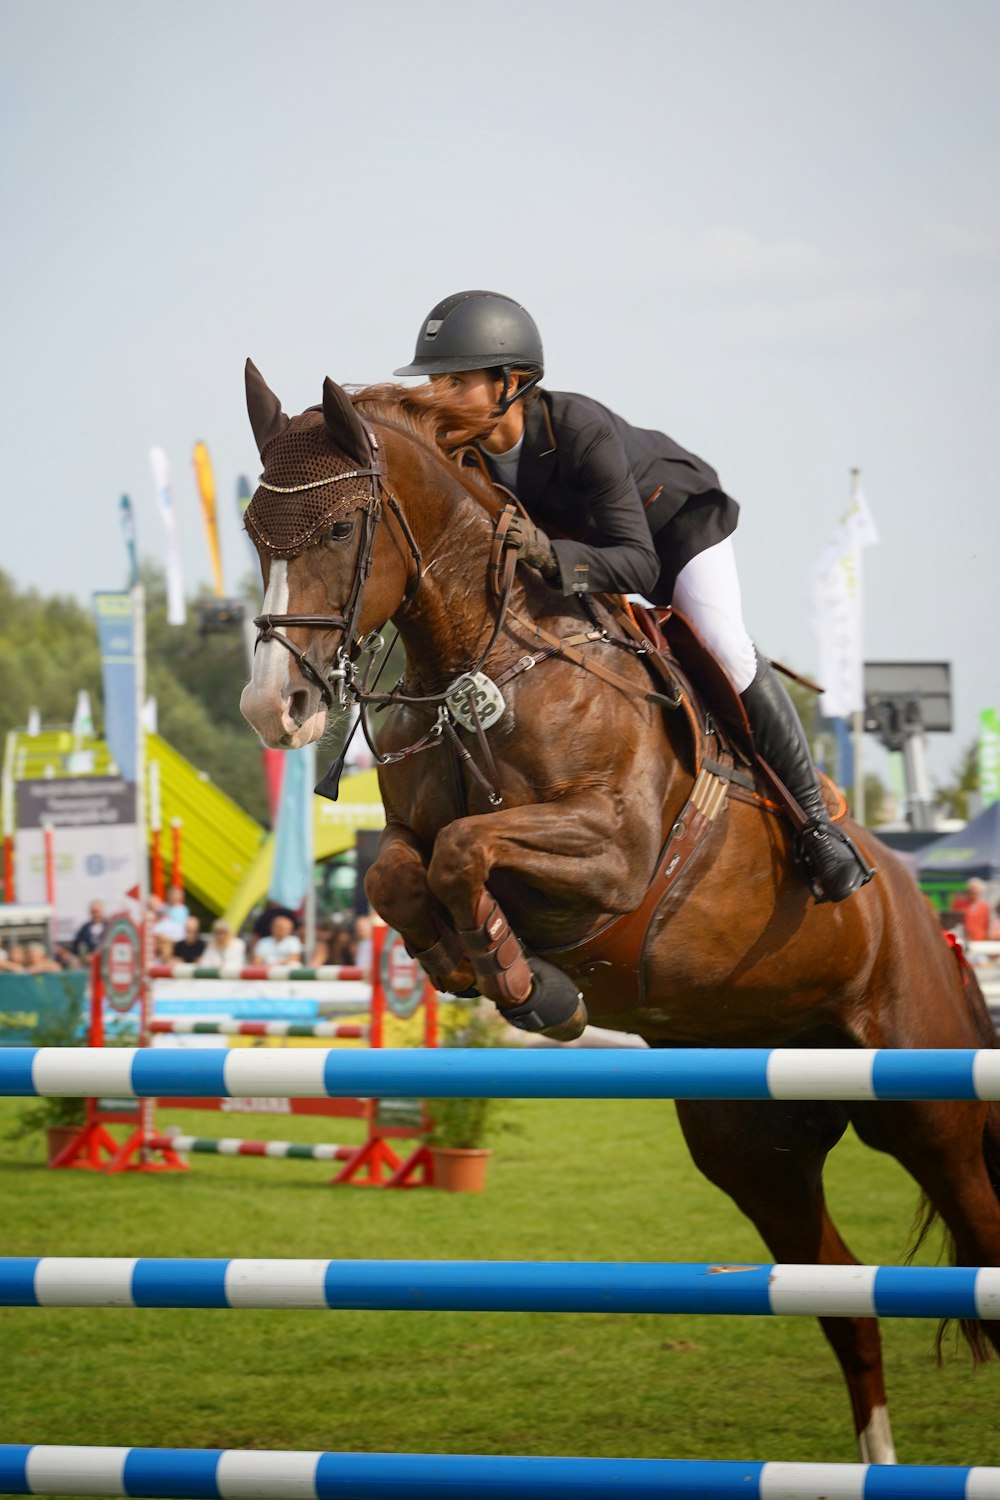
(459, 1171)
(59, 1137)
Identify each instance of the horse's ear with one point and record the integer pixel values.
(343, 423)
(266, 417)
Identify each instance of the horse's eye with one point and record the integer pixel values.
(340, 531)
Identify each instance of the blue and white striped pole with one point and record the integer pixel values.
(503, 1286)
(242, 1475)
(694, 1073)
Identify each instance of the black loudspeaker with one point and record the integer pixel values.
(367, 847)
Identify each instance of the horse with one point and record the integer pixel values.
(544, 776)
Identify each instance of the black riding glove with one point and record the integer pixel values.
(532, 545)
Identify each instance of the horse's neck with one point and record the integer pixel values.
(446, 625)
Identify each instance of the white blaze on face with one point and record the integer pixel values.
(270, 659)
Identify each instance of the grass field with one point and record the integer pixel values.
(575, 1181)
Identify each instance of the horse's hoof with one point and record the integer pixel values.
(554, 1008)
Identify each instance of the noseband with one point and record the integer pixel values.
(332, 685)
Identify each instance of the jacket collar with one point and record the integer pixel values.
(539, 454)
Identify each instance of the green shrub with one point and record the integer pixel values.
(465, 1124)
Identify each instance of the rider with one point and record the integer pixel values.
(640, 515)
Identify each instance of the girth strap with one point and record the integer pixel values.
(619, 947)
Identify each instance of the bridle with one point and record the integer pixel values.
(333, 684)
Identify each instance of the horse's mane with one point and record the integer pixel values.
(427, 413)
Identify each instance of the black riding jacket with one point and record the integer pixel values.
(626, 505)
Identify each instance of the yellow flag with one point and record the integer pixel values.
(206, 489)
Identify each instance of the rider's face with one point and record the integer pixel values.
(473, 390)
(478, 394)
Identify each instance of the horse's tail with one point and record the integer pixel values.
(986, 1037)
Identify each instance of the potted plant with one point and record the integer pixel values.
(460, 1127)
(59, 1117)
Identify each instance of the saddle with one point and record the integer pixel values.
(724, 764)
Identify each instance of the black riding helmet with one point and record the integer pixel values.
(479, 331)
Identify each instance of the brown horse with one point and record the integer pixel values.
(542, 818)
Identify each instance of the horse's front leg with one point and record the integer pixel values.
(565, 850)
(396, 886)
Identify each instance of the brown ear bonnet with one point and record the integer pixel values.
(309, 482)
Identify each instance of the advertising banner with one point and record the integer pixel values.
(95, 844)
(836, 608)
(989, 756)
(116, 637)
(42, 1010)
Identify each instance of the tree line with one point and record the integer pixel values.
(49, 652)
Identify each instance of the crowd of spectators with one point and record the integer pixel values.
(276, 937)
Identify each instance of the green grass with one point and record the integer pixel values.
(578, 1181)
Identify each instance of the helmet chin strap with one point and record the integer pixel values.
(506, 400)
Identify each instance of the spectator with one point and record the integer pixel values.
(994, 932)
(16, 960)
(192, 945)
(262, 926)
(334, 945)
(974, 910)
(39, 962)
(164, 924)
(177, 908)
(281, 946)
(65, 957)
(88, 937)
(363, 941)
(224, 950)
(163, 947)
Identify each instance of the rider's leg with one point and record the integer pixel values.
(707, 593)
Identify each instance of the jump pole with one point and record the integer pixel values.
(372, 1163)
(543, 1073)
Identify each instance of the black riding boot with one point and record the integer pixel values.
(835, 867)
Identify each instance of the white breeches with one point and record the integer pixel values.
(707, 593)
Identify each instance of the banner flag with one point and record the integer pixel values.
(176, 611)
(988, 756)
(206, 489)
(845, 753)
(80, 761)
(292, 858)
(128, 531)
(836, 608)
(83, 718)
(116, 638)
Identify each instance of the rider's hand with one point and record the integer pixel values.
(532, 545)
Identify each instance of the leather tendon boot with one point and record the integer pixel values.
(835, 867)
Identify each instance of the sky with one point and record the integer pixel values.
(771, 230)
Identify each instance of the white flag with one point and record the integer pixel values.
(83, 718)
(836, 609)
(176, 612)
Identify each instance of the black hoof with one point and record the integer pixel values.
(554, 1008)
